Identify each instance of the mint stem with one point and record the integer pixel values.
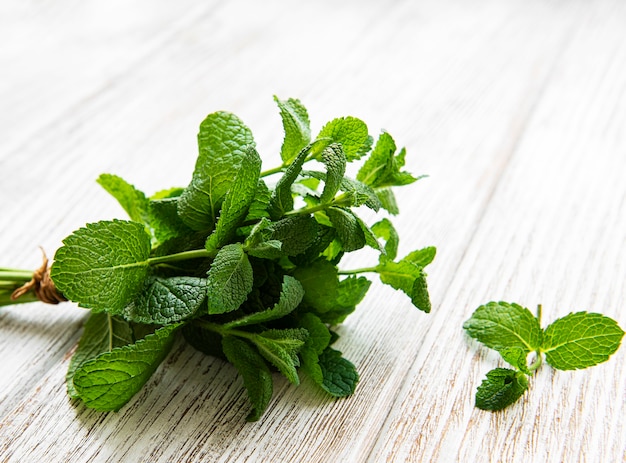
(185, 255)
(272, 171)
(358, 270)
(15, 275)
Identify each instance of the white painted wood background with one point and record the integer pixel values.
(515, 109)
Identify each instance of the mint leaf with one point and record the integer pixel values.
(237, 200)
(360, 194)
(257, 378)
(349, 231)
(165, 220)
(296, 125)
(223, 142)
(581, 340)
(296, 233)
(350, 133)
(339, 374)
(320, 281)
(109, 381)
(387, 200)
(382, 168)
(316, 343)
(408, 278)
(167, 300)
(280, 348)
(103, 265)
(516, 356)
(421, 257)
(500, 324)
(335, 162)
(385, 230)
(230, 279)
(290, 297)
(133, 201)
(260, 203)
(281, 200)
(501, 388)
(102, 333)
(351, 292)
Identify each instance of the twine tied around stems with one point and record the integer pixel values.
(41, 284)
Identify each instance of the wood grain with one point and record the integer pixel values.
(515, 110)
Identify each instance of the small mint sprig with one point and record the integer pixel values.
(578, 340)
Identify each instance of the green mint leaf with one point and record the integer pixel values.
(237, 200)
(581, 340)
(335, 162)
(501, 324)
(351, 292)
(421, 257)
(173, 192)
(290, 297)
(501, 388)
(361, 194)
(167, 300)
(102, 333)
(320, 281)
(387, 200)
(111, 379)
(316, 343)
(230, 279)
(280, 348)
(296, 233)
(103, 265)
(382, 168)
(260, 203)
(385, 230)
(165, 220)
(281, 200)
(351, 133)
(223, 141)
(296, 125)
(515, 356)
(339, 374)
(257, 378)
(133, 201)
(349, 231)
(408, 278)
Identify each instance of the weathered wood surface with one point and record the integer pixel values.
(515, 109)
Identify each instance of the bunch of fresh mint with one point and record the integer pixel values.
(576, 341)
(245, 269)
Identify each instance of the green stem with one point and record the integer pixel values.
(15, 275)
(222, 331)
(537, 363)
(185, 255)
(358, 270)
(273, 171)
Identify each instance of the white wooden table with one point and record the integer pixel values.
(515, 109)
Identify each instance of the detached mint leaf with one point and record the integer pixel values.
(290, 297)
(335, 162)
(501, 388)
(280, 348)
(257, 378)
(110, 380)
(102, 333)
(223, 142)
(103, 265)
(351, 133)
(339, 374)
(133, 201)
(230, 279)
(167, 300)
(237, 200)
(296, 125)
(581, 340)
(500, 324)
